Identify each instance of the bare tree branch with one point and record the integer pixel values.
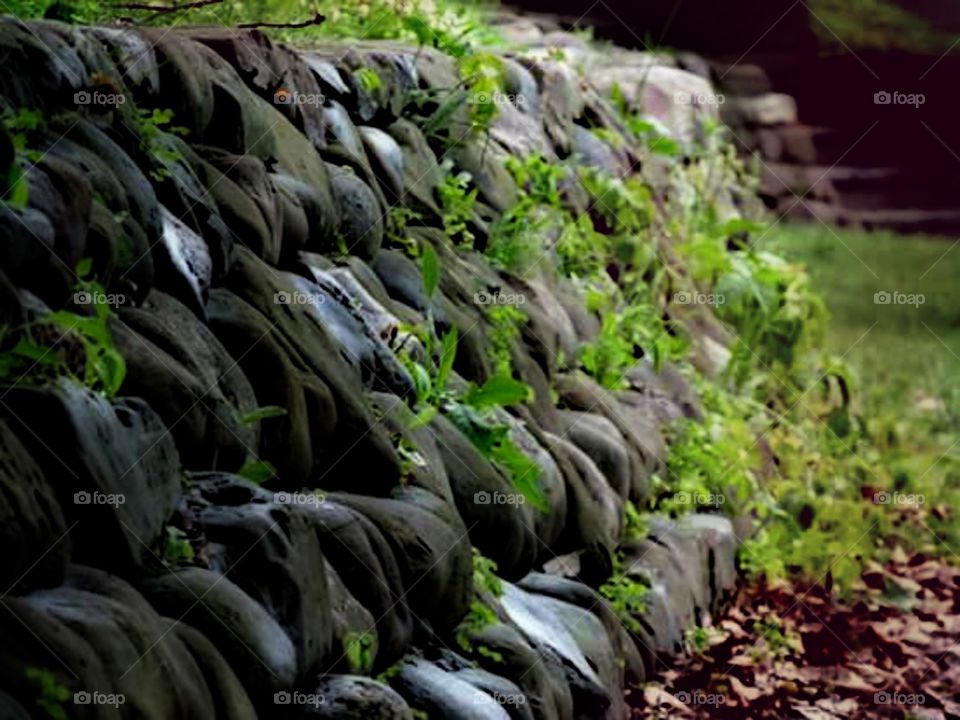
(315, 20)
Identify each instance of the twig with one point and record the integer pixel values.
(316, 20)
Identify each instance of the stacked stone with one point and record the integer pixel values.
(245, 256)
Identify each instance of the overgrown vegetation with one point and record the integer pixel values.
(782, 440)
(477, 410)
(874, 24)
(785, 439)
(66, 344)
(480, 615)
(51, 696)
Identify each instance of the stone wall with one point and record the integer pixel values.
(829, 151)
(247, 261)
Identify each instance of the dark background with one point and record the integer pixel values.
(834, 85)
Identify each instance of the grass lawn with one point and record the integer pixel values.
(906, 356)
(897, 350)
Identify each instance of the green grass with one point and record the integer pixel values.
(907, 358)
(897, 351)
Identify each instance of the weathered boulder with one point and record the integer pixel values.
(538, 674)
(422, 173)
(555, 627)
(386, 160)
(255, 645)
(585, 597)
(32, 525)
(765, 109)
(594, 516)
(644, 443)
(505, 693)
(368, 353)
(424, 463)
(345, 443)
(361, 217)
(180, 368)
(269, 548)
(603, 443)
(355, 641)
(500, 523)
(151, 667)
(432, 552)
(442, 694)
(353, 696)
(117, 467)
(366, 563)
(229, 697)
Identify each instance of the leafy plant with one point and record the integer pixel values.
(482, 75)
(257, 471)
(359, 651)
(456, 202)
(473, 410)
(153, 127)
(368, 79)
(480, 615)
(21, 127)
(52, 695)
(626, 595)
(64, 343)
(634, 522)
(258, 415)
(505, 324)
(515, 238)
(177, 549)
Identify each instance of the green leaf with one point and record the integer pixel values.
(524, 472)
(262, 413)
(19, 191)
(500, 390)
(425, 35)
(430, 268)
(421, 380)
(84, 267)
(448, 352)
(423, 417)
(257, 471)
